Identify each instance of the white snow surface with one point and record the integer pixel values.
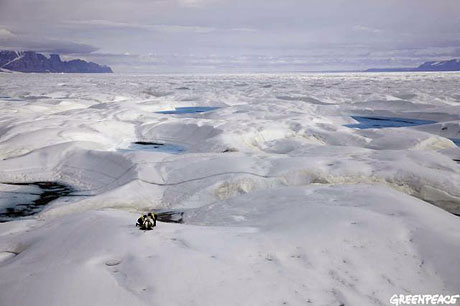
(283, 204)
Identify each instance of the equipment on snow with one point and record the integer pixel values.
(147, 222)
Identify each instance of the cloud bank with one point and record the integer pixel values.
(237, 35)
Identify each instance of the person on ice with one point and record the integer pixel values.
(147, 222)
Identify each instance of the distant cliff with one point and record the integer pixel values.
(29, 61)
(450, 65)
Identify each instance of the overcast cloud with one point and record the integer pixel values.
(236, 35)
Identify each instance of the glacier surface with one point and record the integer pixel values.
(284, 201)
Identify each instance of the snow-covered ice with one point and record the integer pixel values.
(284, 202)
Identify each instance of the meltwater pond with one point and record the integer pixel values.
(456, 141)
(189, 110)
(375, 122)
(154, 146)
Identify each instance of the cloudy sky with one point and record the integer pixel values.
(236, 35)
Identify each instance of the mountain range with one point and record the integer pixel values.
(449, 65)
(30, 61)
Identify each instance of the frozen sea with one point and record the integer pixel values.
(295, 189)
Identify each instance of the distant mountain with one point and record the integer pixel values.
(30, 61)
(450, 65)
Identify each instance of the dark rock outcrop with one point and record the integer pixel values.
(30, 61)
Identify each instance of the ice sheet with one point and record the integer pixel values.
(283, 204)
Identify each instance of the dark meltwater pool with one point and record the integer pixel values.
(170, 216)
(26, 199)
(375, 122)
(189, 110)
